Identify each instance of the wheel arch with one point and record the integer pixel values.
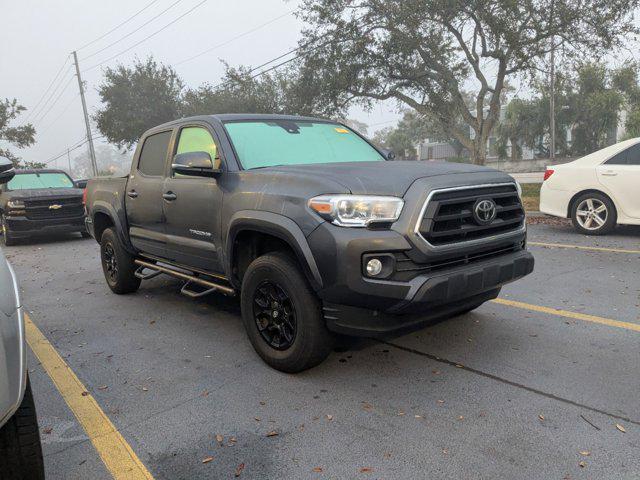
(262, 232)
(590, 190)
(104, 216)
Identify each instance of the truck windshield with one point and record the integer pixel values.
(266, 143)
(25, 181)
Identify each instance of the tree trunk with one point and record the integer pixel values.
(479, 152)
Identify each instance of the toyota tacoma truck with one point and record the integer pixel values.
(20, 448)
(315, 229)
(37, 202)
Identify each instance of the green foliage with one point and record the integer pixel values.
(21, 136)
(422, 52)
(136, 99)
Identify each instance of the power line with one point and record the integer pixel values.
(48, 88)
(57, 91)
(71, 148)
(64, 109)
(233, 39)
(119, 25)
(147, 37)
(132, 32)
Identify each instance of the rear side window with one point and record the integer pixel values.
(630, 156)
(154, 154)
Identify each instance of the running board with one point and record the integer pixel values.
(211, 286)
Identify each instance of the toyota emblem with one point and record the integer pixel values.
(484, 211)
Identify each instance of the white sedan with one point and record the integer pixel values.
(598, 191)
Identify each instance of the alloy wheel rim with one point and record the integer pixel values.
(274, 315)
(592, 214)
(110, 262)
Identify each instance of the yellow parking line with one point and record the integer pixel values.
(568, 314)
(581, 247)
(115, 452)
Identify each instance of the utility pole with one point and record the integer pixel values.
(69, 160)
(92, 151)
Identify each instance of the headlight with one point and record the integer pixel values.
(357, 210)
(15, 204)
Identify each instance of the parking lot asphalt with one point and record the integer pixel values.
(501, 392)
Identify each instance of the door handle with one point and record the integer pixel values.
(169, 196)
(609, 173)
(132, 194)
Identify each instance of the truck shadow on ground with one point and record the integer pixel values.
(47, 239)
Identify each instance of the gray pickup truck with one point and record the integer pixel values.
(319, 233)
(20, 450)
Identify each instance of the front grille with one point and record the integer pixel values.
(449, 215)
(62, 208)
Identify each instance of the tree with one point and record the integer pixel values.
(21, 136)
(423, 52)
(136, 99)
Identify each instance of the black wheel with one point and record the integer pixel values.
(20, 449)
(282, 315)
(7, 237)
(85, 234)
(593, 214)
(117, 264)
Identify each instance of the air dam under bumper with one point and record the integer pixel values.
(432, 297)
(23, 227)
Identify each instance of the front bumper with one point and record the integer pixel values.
(356, 305)
(22, 227)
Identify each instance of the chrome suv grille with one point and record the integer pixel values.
(54, 208)
(459, 215)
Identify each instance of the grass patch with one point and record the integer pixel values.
(531, 196)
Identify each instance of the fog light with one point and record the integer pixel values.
(374, 267)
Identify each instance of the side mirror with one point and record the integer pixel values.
(197, 164)
(389, 154)
(81, 183)
(7, 171)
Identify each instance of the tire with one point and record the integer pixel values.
(20, 449)
(7, 238)
(117, 264)
(301, 333)
(85, 234)
(593, 214)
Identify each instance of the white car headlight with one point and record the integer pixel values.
(519, 189)
(357, 210)
(15, 204)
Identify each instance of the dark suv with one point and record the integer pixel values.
(312, 225)
(38, 202)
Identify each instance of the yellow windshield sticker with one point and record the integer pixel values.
(342, 130)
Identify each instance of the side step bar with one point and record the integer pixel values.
(211, 286)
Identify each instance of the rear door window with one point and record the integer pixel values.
(630, 156)
(154, 154)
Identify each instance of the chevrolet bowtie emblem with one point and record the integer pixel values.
(55, 206)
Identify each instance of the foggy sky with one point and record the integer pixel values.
(36, 36)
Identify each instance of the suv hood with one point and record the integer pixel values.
(42, 193)
(379, 178)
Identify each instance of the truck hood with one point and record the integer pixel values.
(42, 193)
(377, 178)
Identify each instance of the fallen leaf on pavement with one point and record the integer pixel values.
(620, 427)
(257, 419)
(367, 406)
(219, 438)
(317, 469)
(272, 433)
(207, 459)
(47, 430)
(440, 402)
(366, 470)
(585, 453)
(582, 464)
(329, 417)
(400, 413)
(239, 470)
(541, 417)
(102, 387)
(84, 394)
